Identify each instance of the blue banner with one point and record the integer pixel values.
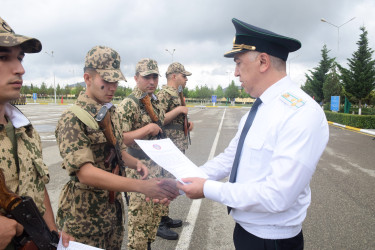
(335, 103)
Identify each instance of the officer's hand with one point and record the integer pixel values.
(194, 187)
(142, 170)
(153, 129)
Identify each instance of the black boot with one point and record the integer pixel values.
(173, 223)
(164, 231)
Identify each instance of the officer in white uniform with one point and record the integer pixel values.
(268, 192)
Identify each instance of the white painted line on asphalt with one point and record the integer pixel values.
(187, 232)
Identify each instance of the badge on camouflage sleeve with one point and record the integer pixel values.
(292, 100)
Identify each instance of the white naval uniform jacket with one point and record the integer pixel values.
(281, 150)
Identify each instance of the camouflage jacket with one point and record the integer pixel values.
(169, 99)
(84, 210)
(133, 116)
(32, 175)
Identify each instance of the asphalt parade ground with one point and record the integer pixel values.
(342, 212)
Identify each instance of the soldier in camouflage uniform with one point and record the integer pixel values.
(170, 102)
(21, 151)
(143, 217)
(84, 207)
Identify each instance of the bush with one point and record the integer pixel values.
(365, 111)
(358, 121)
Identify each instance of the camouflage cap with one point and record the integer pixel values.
(8, 38)
(106, 62)
(147, 66)
(177, 68)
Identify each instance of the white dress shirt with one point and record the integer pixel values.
(281, 150)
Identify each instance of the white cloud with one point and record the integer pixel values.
(199, 31)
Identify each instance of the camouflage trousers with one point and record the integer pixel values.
(109, 240)
(143, 217)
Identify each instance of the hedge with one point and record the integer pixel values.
(358, 121)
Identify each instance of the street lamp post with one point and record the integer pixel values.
(338, 31)
(171, 53)
(229, 73)
(53, 60)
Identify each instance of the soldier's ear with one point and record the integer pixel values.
(88, 79)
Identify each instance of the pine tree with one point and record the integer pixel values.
(359, 79)
(232, 91)
(219, 92)
(332, 85)
(314, 83)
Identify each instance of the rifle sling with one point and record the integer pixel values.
(84, 117)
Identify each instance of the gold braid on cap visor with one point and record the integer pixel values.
(239, 47)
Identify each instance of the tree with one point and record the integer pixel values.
(232, 91)
(186, 92)
(43, 89)
(314, 83)
(359, 79)
(243, 94)
(51, 91)
(332, 85)
(219, 92)
(370, 99)
(204, 92)
(77, 89)
(58, 90)
(25, 90)
(66, 90)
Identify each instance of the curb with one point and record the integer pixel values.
(203, 106)
(353, 128)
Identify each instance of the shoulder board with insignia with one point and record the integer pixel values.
(292, 100)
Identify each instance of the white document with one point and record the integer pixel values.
(73, 245)
(165, 153)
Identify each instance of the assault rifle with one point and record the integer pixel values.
(186, 123)
(146, 101)
(114, 158)
(36, 234)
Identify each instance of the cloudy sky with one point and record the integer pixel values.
(195, 32)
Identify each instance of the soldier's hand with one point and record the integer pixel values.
(160, 189)
(142, 170)
(9, 228)
(163, 201)
(153, 129)
(190, 126)
(169, 186)
(65, 238)
(183, 109)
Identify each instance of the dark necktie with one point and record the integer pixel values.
(246, 127)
